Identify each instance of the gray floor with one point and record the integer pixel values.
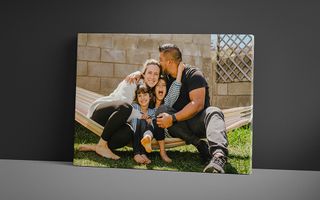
(60, 180)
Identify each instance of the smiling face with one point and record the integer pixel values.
(143, 99)
(151, 75)
(161, 90)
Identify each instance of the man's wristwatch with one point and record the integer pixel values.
(174, 119)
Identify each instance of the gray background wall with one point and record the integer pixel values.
(38, 69)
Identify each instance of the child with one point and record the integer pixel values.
(169, 100)
(142, 124)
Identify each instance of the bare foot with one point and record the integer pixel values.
(87, 147)
(106, 152)
(139, 159)
(146, 143)
(165, 157)
(147, 160)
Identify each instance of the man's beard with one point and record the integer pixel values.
(165, 71)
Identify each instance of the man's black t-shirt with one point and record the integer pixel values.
(192, 78)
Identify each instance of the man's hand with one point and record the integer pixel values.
(164, 120)
(134, 77)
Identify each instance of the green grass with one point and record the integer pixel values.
(185, 158)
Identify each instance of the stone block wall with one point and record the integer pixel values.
(229, 95)
(104, 60)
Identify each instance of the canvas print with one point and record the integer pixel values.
(175, 102)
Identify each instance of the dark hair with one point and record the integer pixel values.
(162, 77)
(173, 50)
(142, 88)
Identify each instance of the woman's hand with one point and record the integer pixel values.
(134, 77)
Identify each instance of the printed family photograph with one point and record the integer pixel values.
(173, 102)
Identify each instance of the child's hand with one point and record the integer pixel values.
(181, 67)
(180, 70)
(149, 120)
(145, 116)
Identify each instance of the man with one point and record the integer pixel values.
(192, 117)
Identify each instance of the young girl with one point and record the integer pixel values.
(140, 125)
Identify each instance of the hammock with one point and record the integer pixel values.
(234, 117)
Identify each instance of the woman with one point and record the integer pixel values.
(114, 111)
